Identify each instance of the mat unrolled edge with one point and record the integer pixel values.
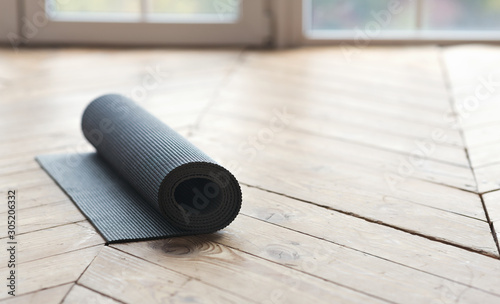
(145, 180)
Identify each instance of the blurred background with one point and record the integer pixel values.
(278, 23)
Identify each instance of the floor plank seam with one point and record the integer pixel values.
(490, 223)
(50, 227)
(373, 255)
(452, 101)
(444, 185)
(79, 277)
(42, 204)
(489, 191)
(374, 221)
(58, 254)
(405, 200)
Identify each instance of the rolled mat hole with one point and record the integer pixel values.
(200, 194)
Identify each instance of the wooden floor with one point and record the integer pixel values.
(372, 178)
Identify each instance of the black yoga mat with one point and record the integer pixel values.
(145, 181)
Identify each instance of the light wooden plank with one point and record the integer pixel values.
(70, 126)
(473, 72)
(338, 264)
(337, 100)
(298, 91)
(355, 119)
(492, 202)
(57, 240)
(413, 81)
(250, 277)
(35, 145)
(398, 62)
(151, 283)
(52, 295)
(46, 216)
(444, 225)
(39, 195)
(36, 196)
(484, 114)
(29, 164)
(26, 162)
(129, 279)
(368, 65)
(176, 100)
(249, 138)
(488, 177)
(352, 187)
(195, 291)
(52, 271)
(82, 295)
(485, 155)
(496, 230)
(73, 142)
(25, 179)
(482, 136)
(340, 124)
(455, 264)
(68, 84)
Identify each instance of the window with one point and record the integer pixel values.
(147, 22)
(247, 22)
(163, 11)
(461, 15)
(401, 20)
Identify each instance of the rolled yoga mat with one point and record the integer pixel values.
(145, 181)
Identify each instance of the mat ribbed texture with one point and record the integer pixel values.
(145, 181)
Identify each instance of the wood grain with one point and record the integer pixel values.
(195, 291)
(344, 266)
(326, 180)
(444, 261)
(250, 277)
(52, 271)
(57, 240)
(46, 216)
(130, 279)
(327, 215)
(82, 295)
(53, 295)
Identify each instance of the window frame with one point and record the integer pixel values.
(9, 20)
(278, 23)
(297, 33)
(251, 28)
